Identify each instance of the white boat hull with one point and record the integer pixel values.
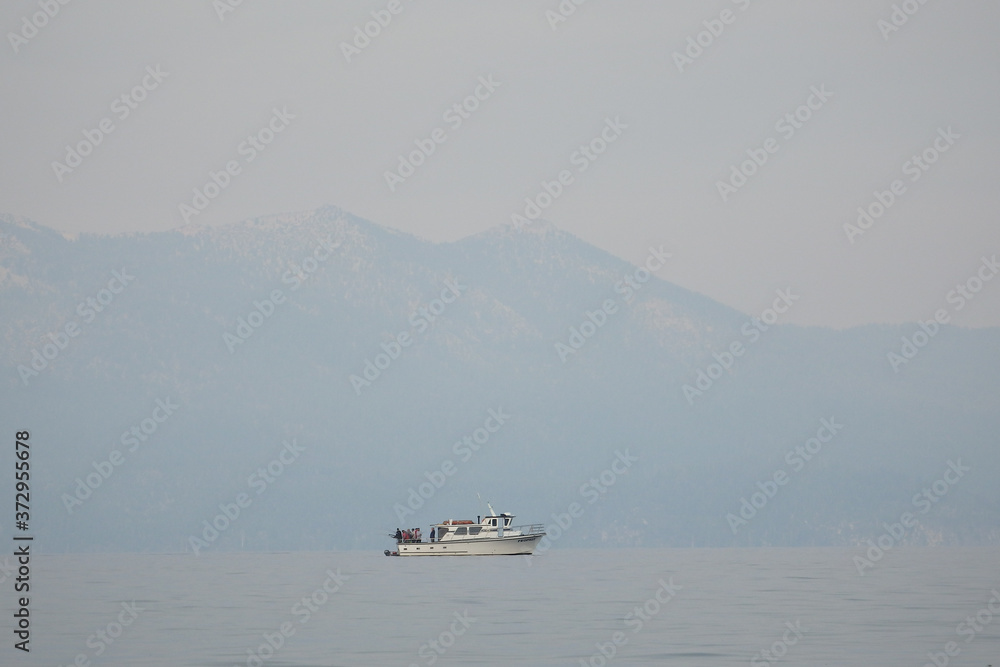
(513, 545)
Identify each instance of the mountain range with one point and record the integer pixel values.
(313, 380)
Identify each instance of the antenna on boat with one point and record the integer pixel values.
(492, 512)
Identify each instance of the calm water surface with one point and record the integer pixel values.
(560, 608)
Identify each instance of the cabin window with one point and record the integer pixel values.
(493, 522)
(461, 531)
(474, 530)
(506, 521)
(442, 531)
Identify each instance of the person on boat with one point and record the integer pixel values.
(416, 535)
(432, 534)
(398, 535)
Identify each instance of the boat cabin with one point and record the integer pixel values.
(456, 529)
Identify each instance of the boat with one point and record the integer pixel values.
(491, 536)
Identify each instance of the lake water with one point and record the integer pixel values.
(696, 607)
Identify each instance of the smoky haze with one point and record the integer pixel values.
(692, 113)
(282, 276)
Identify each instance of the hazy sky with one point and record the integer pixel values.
(340, 126)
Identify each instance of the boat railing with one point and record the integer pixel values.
(530, 529)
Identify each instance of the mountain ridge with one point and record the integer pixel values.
(495, 345)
